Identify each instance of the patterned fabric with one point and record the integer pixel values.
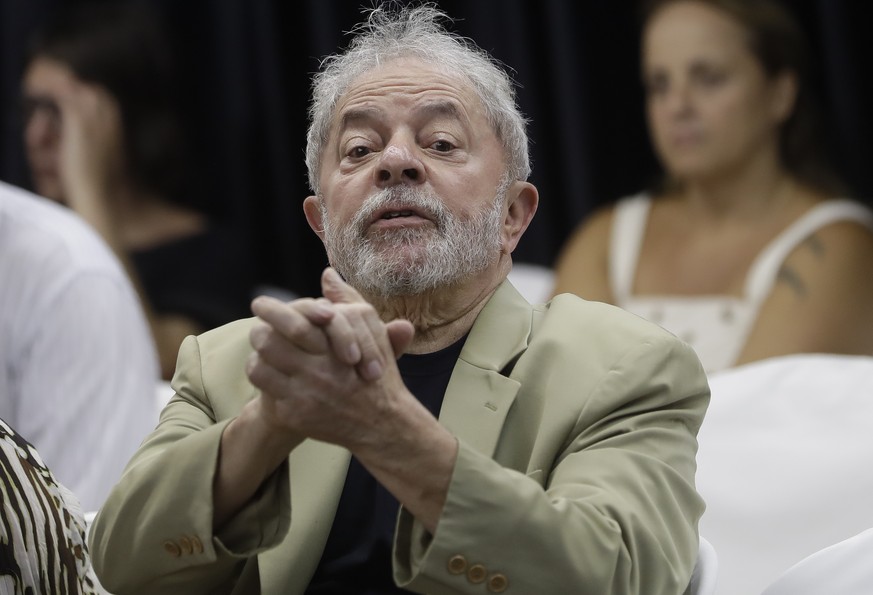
(42, 530)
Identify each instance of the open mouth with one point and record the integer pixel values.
(400, 212)
(396, 214)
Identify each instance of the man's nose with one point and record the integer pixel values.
(399, 164)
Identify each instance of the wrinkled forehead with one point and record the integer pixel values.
(408, 80)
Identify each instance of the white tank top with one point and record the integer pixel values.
(716, 326)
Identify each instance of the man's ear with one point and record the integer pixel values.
(522, 199)
(312, 210)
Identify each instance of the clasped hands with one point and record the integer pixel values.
(326, 367)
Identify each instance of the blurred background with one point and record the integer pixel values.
(243, 69)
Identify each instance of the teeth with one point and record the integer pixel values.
(395, 214)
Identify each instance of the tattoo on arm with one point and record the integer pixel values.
(789, 276)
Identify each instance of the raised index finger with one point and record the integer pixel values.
(334, 288)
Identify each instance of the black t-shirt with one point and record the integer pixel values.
(357, 556)
(206, 276)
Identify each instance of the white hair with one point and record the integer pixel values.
(416, 32)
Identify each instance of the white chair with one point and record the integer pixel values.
(845, 568)
(783, 463)
(704, 577)
(533, 281)
(163, 393)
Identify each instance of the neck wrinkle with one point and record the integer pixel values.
(444, 315)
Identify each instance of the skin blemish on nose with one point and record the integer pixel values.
(396, 152)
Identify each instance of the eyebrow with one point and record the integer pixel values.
(441, 108)
(360, 114)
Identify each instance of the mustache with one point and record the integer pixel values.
(402, 197)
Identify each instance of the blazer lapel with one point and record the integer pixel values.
(318, 472)
(480, 393)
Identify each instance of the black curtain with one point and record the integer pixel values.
(245, 66)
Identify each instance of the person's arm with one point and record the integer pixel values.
(227, 452)
(314, 385)
(822, 298)
(251, 450)
(591, 489)
(164, 501)
(385, 427)
(87, 385)
(582, 267)
(327, 370)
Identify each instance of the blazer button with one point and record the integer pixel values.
(457, 564)
(197, 545)
(186, 545)
(477, 573)
(172, 548)
(497, 583)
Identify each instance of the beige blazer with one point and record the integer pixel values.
(577, 428)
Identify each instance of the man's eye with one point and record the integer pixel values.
(443, 146)
(359, 151)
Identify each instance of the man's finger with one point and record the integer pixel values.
(372, 339)
(295, 325)
(400, 333)
(318, 312)
(336, 290)
(344, 338)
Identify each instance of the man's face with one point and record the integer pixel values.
(41, 90)
(411, 194)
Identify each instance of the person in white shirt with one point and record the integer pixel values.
(78, 368)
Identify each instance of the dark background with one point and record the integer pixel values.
(245, 65)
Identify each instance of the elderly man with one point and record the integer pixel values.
(510, 447)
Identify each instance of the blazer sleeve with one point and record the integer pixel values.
(616, 509)
(154, 533)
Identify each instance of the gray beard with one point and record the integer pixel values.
(409, 261)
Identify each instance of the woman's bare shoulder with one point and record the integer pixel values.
(582, 266)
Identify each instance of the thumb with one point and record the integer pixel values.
(400, 334)
(334, 288)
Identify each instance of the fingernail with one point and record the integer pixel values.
(354, 353)
(323, 310)
(373, 370)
